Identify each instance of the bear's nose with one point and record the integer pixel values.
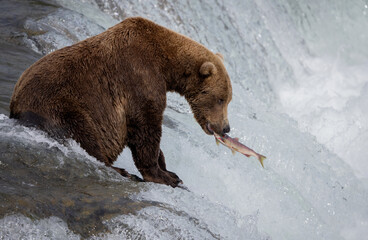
(226, 129)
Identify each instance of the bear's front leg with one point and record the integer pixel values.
(148, 157)
(162, 164)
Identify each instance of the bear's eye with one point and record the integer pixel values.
(204, 92)
(220, 101)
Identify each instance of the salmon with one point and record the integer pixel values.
(235, 145)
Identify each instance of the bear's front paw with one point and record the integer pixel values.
(173, 175)
(158, 175)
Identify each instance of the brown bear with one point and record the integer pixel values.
(109, 91)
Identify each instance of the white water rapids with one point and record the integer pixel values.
(299, 71)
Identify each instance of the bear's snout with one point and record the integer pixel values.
(226, 129)
(220, 129)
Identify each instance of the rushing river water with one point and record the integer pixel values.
(300, 94)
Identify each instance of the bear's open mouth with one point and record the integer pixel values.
(209, 129)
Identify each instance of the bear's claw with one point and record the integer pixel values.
(158, 175)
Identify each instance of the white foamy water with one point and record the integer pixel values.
(325, 46)
(300, 92)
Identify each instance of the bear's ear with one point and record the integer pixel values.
(207, 69)
(220, 56)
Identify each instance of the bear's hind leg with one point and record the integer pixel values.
(35, 120)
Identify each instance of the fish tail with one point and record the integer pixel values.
(261, 158)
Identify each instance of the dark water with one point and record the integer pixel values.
(34, 183)
(14, 60)
(15, 56)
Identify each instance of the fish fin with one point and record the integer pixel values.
(233, 151)
(217, 141)
(247, 155)
(261, 158)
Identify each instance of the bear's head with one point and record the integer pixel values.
(212, 94)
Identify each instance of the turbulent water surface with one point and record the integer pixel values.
(300, 94)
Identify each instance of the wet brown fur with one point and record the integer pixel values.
(109, 91)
